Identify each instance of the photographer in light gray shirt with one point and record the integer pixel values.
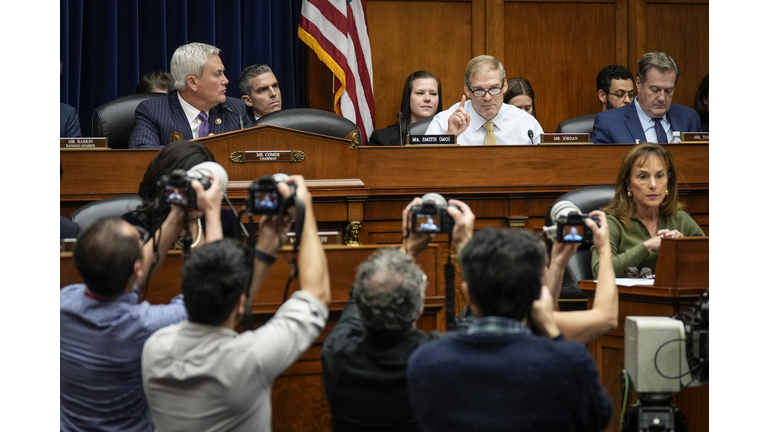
(201, 374)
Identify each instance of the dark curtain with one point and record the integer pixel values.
(107, 45)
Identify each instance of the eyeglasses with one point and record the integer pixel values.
(644, 273)
(481, 93)
(622, 95)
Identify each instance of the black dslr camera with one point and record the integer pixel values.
(569, 224)
(571, 228)
(176, 188)
(431, 216)
(264, 198)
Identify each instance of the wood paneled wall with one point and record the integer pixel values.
(558, 45)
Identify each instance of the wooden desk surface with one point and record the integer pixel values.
(342, 266)
(95, 174)
(651, 291)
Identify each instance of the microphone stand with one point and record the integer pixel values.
(400, 124)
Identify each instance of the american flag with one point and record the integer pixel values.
(337, 31)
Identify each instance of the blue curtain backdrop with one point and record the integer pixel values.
(107, 45)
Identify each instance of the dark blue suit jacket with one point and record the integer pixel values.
(622, 125)
(69, 124)
(67, 228)
(158, 118)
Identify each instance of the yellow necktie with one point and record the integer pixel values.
(490, 138)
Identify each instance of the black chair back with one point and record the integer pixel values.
(583, 124)
(115, 119)
(116, 206)
(310, 120)
(580, 266)
(420, 127)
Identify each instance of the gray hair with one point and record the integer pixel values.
(663, 62)
(389, 291)
(481, 63)
(251, 71)
(190, 59)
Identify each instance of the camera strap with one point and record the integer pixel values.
(450, 296)
(299, 231)
(186, 239)
(155, 233)
(250, 253)
(450, 291)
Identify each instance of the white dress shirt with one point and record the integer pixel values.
(647, 123)
(192, 114)
(510, 126)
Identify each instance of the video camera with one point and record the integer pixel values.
(176, 188)
(264, 198)
(569, 224)
(431, 216)
(661, 352)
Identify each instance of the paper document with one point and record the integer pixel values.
(633, 282)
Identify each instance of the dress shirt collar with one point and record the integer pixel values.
(645, 119)
(189, 328)
(498, 326)
(132, 297)
(477, 121)
(192, 115)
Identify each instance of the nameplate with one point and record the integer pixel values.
(564, 138)
(326, 237)
(292, 156)
(67, 244)
(431, 139)
(692, 137)
(83, 143)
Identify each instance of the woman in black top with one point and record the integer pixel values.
(422, 98)
(153, 209)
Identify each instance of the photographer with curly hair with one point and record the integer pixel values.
(365, 355)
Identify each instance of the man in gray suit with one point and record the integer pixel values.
(198, 107)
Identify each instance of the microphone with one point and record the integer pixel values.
(227, 108)
(400, 124)
(530, 135)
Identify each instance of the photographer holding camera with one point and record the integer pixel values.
(586, 326)
(178, 155)
(498, 375)
(103, 327)
(365, 355)
(201, 374)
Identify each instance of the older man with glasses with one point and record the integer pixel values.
(651, 117)
(482, 117)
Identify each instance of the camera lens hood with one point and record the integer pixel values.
(563, 209)
(209, 167)
(435, 198)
